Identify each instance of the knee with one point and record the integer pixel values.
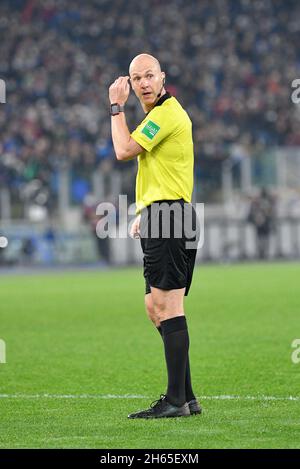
(150, 310)
(167, 308)
(159, 308)
(159, 302)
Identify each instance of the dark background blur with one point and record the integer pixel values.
(230, 64)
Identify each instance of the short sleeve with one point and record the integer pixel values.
(153, 130)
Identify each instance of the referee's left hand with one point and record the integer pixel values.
(119, 91)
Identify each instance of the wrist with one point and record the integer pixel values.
(117, 101)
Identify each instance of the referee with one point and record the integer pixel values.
(164, 147)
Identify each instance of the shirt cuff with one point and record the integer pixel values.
(147, 146)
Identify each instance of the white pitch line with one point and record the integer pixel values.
(251, 398)
(137, 396)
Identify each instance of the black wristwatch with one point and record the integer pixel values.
(115, 109)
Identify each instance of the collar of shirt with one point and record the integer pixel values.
(161, 100)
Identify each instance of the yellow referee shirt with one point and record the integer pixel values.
(165, 167)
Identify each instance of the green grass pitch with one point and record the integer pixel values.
(85, 335)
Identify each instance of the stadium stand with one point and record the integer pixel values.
(230, 63)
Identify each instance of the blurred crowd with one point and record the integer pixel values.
(230, 63)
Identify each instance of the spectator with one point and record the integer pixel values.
(262, 216)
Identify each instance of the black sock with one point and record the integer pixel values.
(189, 394)
(176, 341)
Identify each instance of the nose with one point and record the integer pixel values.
(144, 83)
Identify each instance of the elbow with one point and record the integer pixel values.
(120, 156)
(123, 155)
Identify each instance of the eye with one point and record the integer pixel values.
(150, 75)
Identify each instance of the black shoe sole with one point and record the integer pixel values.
(196, 412)
(152, 417)
(172, 416)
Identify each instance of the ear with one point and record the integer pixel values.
(163, 75)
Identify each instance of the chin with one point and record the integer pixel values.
(149, 100)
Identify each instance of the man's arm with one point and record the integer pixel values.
(125, 147)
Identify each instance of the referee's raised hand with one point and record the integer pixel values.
(119, 91)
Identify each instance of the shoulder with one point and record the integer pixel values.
(170, 111)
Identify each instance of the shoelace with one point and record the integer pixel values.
(158, 402)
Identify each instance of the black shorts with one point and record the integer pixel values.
(169, 237)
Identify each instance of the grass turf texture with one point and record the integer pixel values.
(87, 333)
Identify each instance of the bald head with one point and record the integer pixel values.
(147, 80)
(143, 61)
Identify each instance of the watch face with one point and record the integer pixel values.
(115, 109)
